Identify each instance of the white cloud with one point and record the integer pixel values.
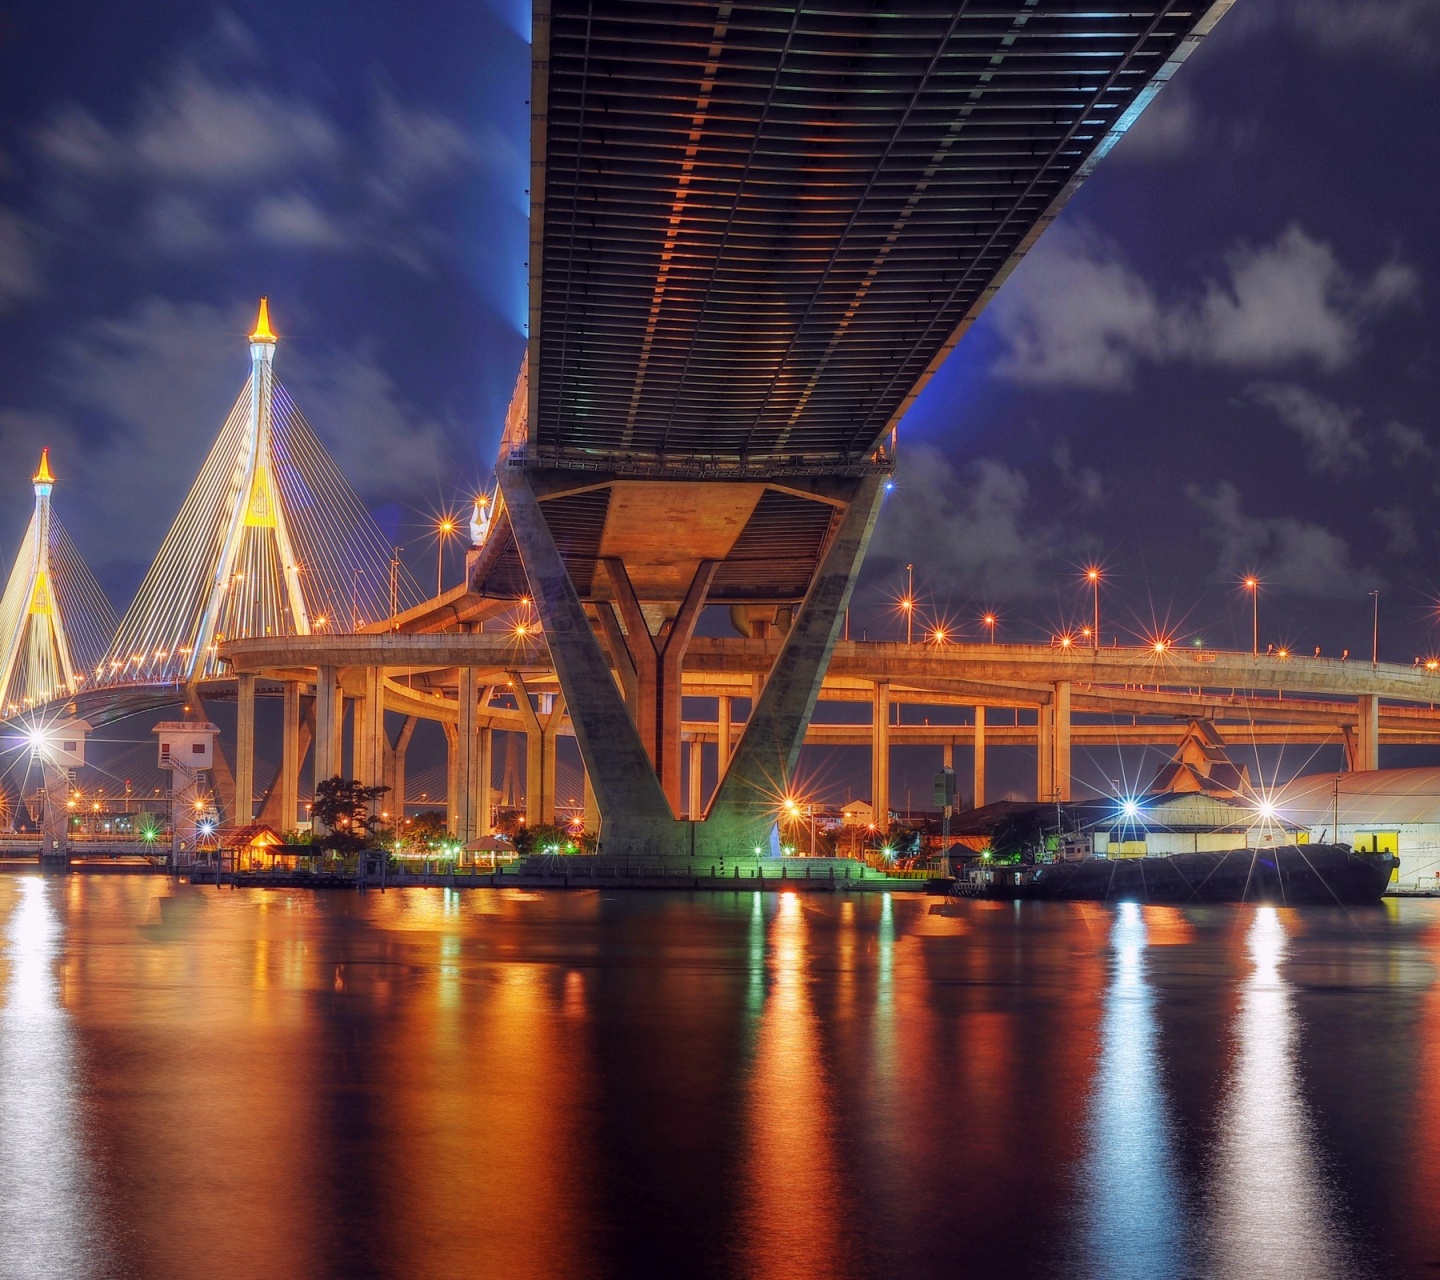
(193, 128)
(1168, 127)
(1290, 553)
(1405, 31)
(1075, 313)
(1325, 428)
(1408, 443)
(19, 266)
(1083, 482)
(297, 221)
(975, 532)
(197, 137)
(1400, 525)
(413, 149)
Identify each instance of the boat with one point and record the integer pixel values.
(1282, 875)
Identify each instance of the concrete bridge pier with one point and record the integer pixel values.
(393, 772)
(640, 806)
(1044, 752)
(1367, 737)
(1060, 714)
(979, 781)
(880, 756)
(471, 751)
(542, 731)
(329, 713)
(244, 749)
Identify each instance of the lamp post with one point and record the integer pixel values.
(990, 620)
(1252, 585)
(444, 531)
(908, 604)
(1092, 576)
(1375, 634)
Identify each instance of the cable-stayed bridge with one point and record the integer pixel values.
(55, 622)
(271, 541)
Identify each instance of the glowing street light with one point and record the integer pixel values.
(1252, 585)
(444, 530)
(907, 603)
(1092, 576)
(990, 620)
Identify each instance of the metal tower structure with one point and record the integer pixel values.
(55, 621)
(271, 540)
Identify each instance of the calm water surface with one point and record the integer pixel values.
(430, 1084)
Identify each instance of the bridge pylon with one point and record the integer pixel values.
(55, 621)
(271, 540)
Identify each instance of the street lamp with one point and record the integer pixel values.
(990, 620)
(444, 530)
(1092, 576)
(1252, 585)
(1375, 634)
(908, 603)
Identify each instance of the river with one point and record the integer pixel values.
(432, 1083)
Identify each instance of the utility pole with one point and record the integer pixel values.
(1375, 634)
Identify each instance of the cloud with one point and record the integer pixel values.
(1083, 482)
(1400, 525)
(1076, 314)
(1168, 127)
(1325, 428)
(1290, 553)
(1404, 31)
(19, 266)
(196, 129)
(1409, 444)
(413, 150)
(297, 221)
(197, 140)
(975, 532)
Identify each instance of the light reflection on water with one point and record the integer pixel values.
(1271, 1212)
(1134, 1224)
(47, 1197)
(242, 1085)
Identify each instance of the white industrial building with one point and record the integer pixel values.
(1379, 811)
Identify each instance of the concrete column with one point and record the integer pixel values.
(1367, 753)
(290, 757)
(328, 706)
(979, 757)
(880, 756)
(1045, 752)
(592, 810)
(394, 766)
(1062, 739)
(625, 782)
(328, 709)
(244, 749)
(770, 746)
(549, 742)
(471, 806)
(722, 736)
(695, 808)
(369, 731)
(452, 777)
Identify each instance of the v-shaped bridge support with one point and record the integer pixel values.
(630, 729)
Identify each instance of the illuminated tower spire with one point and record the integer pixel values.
(54, 619)
(257, 540)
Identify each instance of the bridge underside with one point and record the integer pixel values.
(756, 232)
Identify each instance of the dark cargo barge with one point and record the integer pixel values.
(1287, 875)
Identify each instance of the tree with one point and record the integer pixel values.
(346, 809)
(1018, 836)
(427, 832)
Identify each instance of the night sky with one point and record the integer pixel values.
(1221, 359)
